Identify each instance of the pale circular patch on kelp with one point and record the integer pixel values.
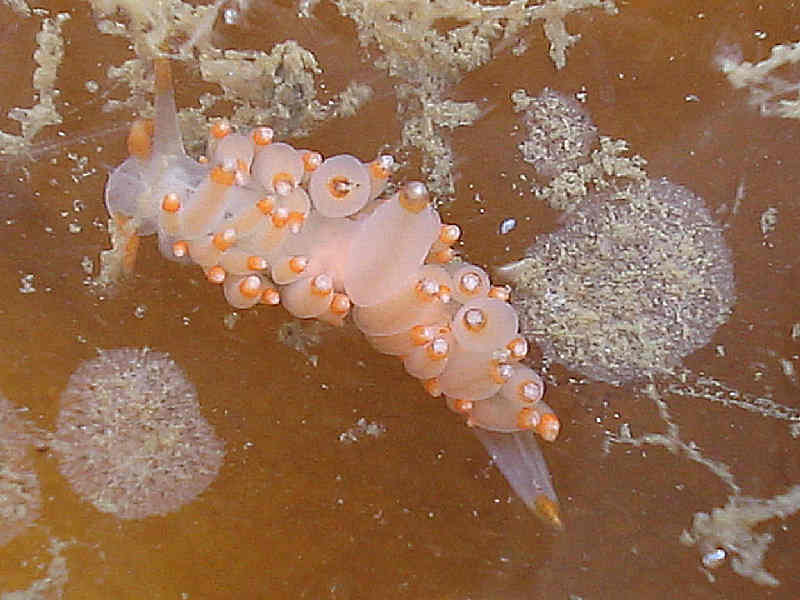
(20, 495)
(560, 131)
(632, 282)
(130, 437)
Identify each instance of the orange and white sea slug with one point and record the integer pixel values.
(274, 224)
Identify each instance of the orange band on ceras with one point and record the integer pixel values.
(432, 387)
(517, 348)
(474, 319)
(528, 418)
(216, 274)
(140, 138)
(298, 264)
(270, 296)
(339, 186)
(414, 197)
(250, 286)
(464, 407)
(500, 372)
(280, 216)
(443, 256)
(445, 293)
(266, 204)
(256, 263)
(220, 129)
(180, 249)
(381, 167)
(283, 183)
(469, 283)
(548, 427)
(311, 161)
(262, 136)
(427, 290)
(295, 220)
(501, 292)
(222, 176)
(171, 203)
(322, 284)
(421, 334)
(340, 304)
(449, 234)
(437, 349)
(224, 239)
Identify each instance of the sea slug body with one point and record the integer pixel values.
(274, 224)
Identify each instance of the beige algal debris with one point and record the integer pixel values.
(405, 31)
(413, 49)
(768, 220)
(48, 55)
(773, 84)
(51, 586)
(705, 387)
(362, 429)
(117, 261)
(729, 532)
(278, 87)
(610, 166)
(561, 145)
(301, 336)
(726, 532)
(19, 6)
(306, 7)
(670, 440)
(424, 116)
(153, 26)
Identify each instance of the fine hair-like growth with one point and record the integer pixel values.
(20, 495)
(273, 224)
(130, 438)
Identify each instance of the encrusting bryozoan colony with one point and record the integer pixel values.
(130, 437)
(274, 224)
(20, 492)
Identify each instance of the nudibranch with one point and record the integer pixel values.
(272, 224)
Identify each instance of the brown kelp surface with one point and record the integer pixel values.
(341, 477)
